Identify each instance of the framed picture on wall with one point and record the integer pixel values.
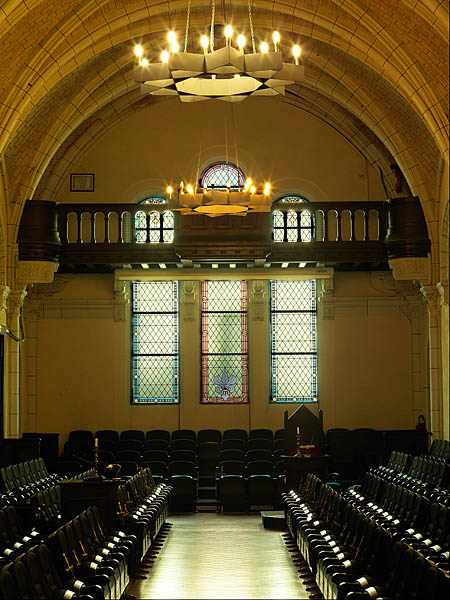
(82, 182)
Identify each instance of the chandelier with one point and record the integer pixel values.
(219, 202)
(226, 73)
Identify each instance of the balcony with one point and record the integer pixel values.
(103, 237)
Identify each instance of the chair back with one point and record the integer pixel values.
(235, 434)
(157, 434)
(184, 434)
(209, 435)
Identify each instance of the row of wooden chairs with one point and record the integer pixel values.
(80, 559)
(26, 478)
(203, 435)
(361, 550)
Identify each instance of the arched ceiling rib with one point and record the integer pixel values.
(380, 62)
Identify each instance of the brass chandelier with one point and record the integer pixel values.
(227, 73)
(219, 202)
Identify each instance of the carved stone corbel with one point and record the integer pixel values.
(36, 271)
(188, 298)
(411, 268)
(121, 299)
(258, 299)
(325, 298)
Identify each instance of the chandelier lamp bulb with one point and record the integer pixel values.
(204, 43)
(241, 42)
(276, 40)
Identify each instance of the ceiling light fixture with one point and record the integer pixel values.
(219, 202)
(227, 73)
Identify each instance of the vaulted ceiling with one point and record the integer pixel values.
(376, 70)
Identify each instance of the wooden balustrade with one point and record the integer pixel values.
(364, 233)
(116, 223)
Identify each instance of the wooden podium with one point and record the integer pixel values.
(297, 469)
(79, 494)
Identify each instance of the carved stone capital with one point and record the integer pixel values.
(4, 293)
(411, 268)
(15, 303)
(443, 290)
(432, 297)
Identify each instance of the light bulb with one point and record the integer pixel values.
(276, 39)
(175, 47)
(296, 51)
(189, 189)
(169, 190)
(144, 62)
(252, 189)
(264, 47)
(164, 56)
(172, 37)
(138, 50)
(228, 32)
(204, 42)
(267, 187)
(241, 42)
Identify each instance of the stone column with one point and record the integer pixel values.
(432, 298)
(12, 375)
(33, 313)
(415, 310)
(443, 289)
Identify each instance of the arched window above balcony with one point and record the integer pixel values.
(154, 227)
(294, 225)
(222, 176)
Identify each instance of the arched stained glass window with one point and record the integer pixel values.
(223, 176)
(293, 225)
(154, 227)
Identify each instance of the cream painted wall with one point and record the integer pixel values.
(169, 142)
(82, 365)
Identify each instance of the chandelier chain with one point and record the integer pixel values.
(188, 17)
(213, 15)
(250, 18)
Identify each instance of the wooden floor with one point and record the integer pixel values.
(211, 555)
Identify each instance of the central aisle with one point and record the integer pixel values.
(210, 555)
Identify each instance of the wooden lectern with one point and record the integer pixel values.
(304, 443)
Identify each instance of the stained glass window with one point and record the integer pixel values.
(292, 225)
(224, 343)
(223, 176)
(154, 227)
(293, 316)
(155, 342)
